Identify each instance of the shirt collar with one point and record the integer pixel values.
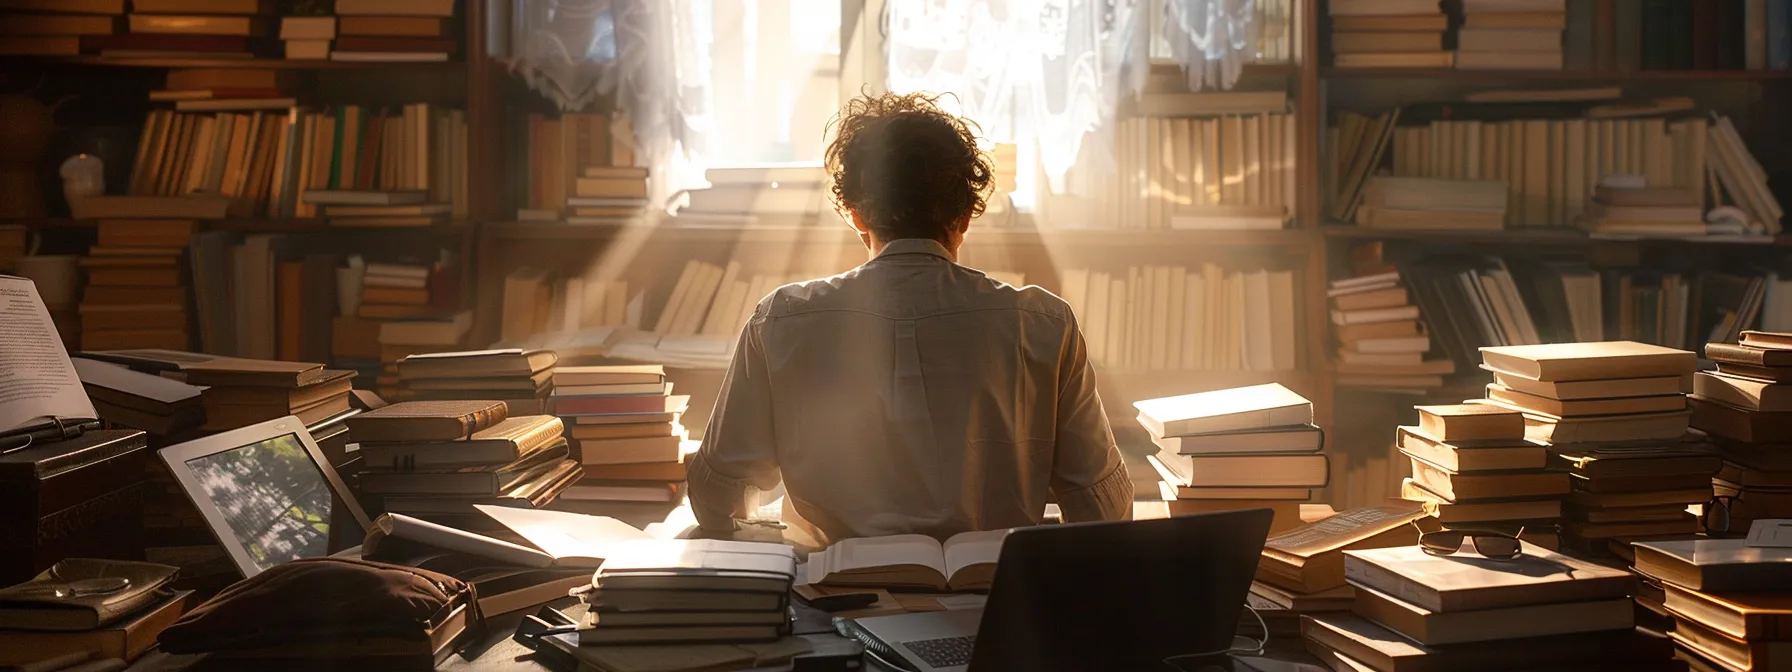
(916, 246)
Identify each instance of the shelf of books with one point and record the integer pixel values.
(1340, 73)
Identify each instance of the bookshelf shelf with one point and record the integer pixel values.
(24, 62)
(978, 237)
(1562, 75)
(1533, 237)
(316, 225)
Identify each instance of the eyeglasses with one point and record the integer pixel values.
(1715, 515)
(1491, 544)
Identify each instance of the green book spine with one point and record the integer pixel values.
(336, 157)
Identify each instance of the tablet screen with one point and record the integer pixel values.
(273, 496)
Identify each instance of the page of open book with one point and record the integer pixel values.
(575, 540)
(893, 551)
(401, 526)
(36, 378)
(973, 548)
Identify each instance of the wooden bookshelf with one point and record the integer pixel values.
(34, 62)
(978, 236)
(1616, 76)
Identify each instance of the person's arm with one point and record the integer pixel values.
(1088, 478)
(739, 453)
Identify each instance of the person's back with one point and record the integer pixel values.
(910, 394)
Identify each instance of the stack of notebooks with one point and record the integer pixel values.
(307, 38)
(608, 195)
(1630, 492)
(1384, 34)
(242, 392)
(1511, 34)
(1472, 467)
(1540, 611)
(1729, 601)
(1381, 341)
(1645, 211)
(1242, 448)
(190, 29)
(519, 378)
(167, 409)
(58, 31)
(394, 31)
(623, 422)
(657, 592)
(1593, 392)
(1427, 203)
(435, 460)
(1745, 407)
(394, 291)
(1302, 570)
(136, 294)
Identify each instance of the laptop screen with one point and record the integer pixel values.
(274, 498)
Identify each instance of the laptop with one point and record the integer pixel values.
(268, 494)
(1090, 596)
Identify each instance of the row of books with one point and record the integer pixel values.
(421, 38)
(1173, 317)
(557, 151)
(227, 29)
(274, 163)
(1227, 171)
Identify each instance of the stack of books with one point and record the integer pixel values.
(56, 28)
(190, 29)
(242, 392)
(136, 294)
(435, 460)
(519, 378)
(608, 195)
(1302, 570)
(1630, 492)
(1593, 392)
(623, 421)
(307, 38)
(394, 31)
(394, 291)
(1242, 448)
(1541, 610)
(406, 206)
(790, 195)
(44, 624)
(207, 89)
(1426, 203)
(663, 592)
(1382, 343)
(1511, 35)
(1728, 601)
(1745, 409)
(1383, 34)
(167, 409)
(1472, 467)
(399, 339)
(1645, 211)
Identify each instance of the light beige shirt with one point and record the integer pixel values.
(910, 395)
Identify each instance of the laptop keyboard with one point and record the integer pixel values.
(945, 651)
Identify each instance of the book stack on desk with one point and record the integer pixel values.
(136, 293)
(1242, 448)
(657, 592)
(623, 422)
(1593, 392)
(40, 624)
(1473, 467)
(242, 392)
(1729, 601)
(399, 339)
(167, 409)
(1746, 410)
(519, 378)
(1464, 612)
(435, 460)
(1302, 570)
(1630, 492)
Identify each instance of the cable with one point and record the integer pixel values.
(1255, 650)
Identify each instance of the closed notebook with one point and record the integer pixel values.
(1589, 361)
(1467, 582)
(499, 444)
(1237, 409)
(965, 561)
(36, 605)
(426, 420)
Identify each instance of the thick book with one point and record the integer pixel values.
(1310, 558)
(252, 372)
(1249, 471)
(1767, 340)
(1473, 456)
(1742, 354)
(1299, 439)
(1467, 582)
(1747, 616)
(1595, 389)
(1745, 393)
(570, 376)
(502, 443)
(476, 364)
(1383, 650)
(1585, 407)
(1237, 409)
(1731, 653)
(618, 405)
(1589, 361)
(1716, 566)
(634, 450)
(1451, 513)
(963, 562)
(479, 481)
(427, 420)
(698, 565)
(1721, 419)
(1456, 486)
(1607, 428)
(1430, 628)
(1470, 422)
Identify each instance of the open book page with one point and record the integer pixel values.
(971, 558)
(892, 560)
(36, 378)
(574, 540)
(400, 526)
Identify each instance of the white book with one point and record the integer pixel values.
(1178, 301)
(1230, 410)
(1194, 322)
(1159, 314)
(1282, 320)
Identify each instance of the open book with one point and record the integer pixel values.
(965, 562)
(565, 539)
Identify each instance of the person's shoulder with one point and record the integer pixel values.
(800, 295)
(1029, 298)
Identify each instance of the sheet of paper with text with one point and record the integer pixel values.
(36, 377)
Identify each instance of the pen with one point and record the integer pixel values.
(58, 429)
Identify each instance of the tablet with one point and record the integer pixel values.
(266, 491)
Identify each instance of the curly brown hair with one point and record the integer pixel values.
(906, 167)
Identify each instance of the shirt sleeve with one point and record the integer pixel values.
(1088, 478)
(739, 452)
